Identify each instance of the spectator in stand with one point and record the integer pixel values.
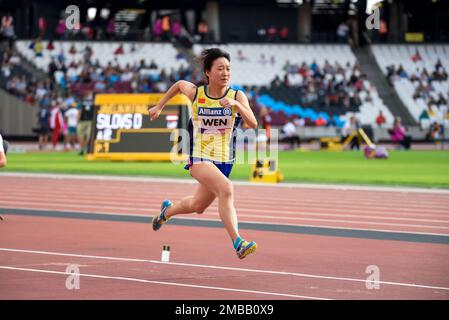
(263, 60)
(262, 34)
(416, 57)
(342, 32)
(110, 29)
(72, 49)
(176, 29)
(119, 50)
(203, 30)
(153, 64)
(60, 29)
(7, 30)
(38, 47)
(272, 33)
(166, 28)
(383, 30)
(441, 100)
(283, 33)
(241, 57)
(50, 46)
(42, 25)
(157, 29)
(380, 120)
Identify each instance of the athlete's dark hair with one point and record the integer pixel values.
(208, 56)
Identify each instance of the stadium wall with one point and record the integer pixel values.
(16, 117)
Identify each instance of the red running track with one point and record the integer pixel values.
(121, 260)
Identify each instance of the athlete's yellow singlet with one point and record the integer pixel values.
(212, 126)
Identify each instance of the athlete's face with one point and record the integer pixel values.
(220, 73)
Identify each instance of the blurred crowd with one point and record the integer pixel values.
(423, 81)
(328, 85)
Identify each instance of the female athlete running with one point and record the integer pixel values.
(216, 112)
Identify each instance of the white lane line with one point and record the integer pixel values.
(413, 285)
(162, 283)
(187, 180)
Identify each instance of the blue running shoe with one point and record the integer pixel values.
(245, 248)
(161, 219)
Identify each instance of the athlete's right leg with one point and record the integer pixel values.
(199, 202)
(196, 203)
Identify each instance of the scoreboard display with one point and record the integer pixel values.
(122, 130)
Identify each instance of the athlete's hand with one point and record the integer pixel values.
(154, 112)
(226, 102)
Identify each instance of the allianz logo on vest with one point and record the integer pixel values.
(216, 112)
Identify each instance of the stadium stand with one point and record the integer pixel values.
(419, 75)
(322, 84)
(309, 81)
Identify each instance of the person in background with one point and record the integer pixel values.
(38, 47)
(7, 30)
(71, 116)
(349, 128)
(166, 26)
(203, 30)
(42, 25)
(266, 122)
(398, 134)
(110, 29)
(342, 32)
(283, 33)
(85, 116)
(60, 29)
(44, 126)
(380, 120)
(176, 29)
(56, 123)
(291, 135)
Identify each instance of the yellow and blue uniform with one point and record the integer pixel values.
(212, 130)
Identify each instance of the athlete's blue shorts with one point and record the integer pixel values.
(224, 167)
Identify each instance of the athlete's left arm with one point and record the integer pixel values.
(243, 108)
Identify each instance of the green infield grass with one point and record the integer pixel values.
(403, 168)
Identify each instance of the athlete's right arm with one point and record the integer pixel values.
(185, 87)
